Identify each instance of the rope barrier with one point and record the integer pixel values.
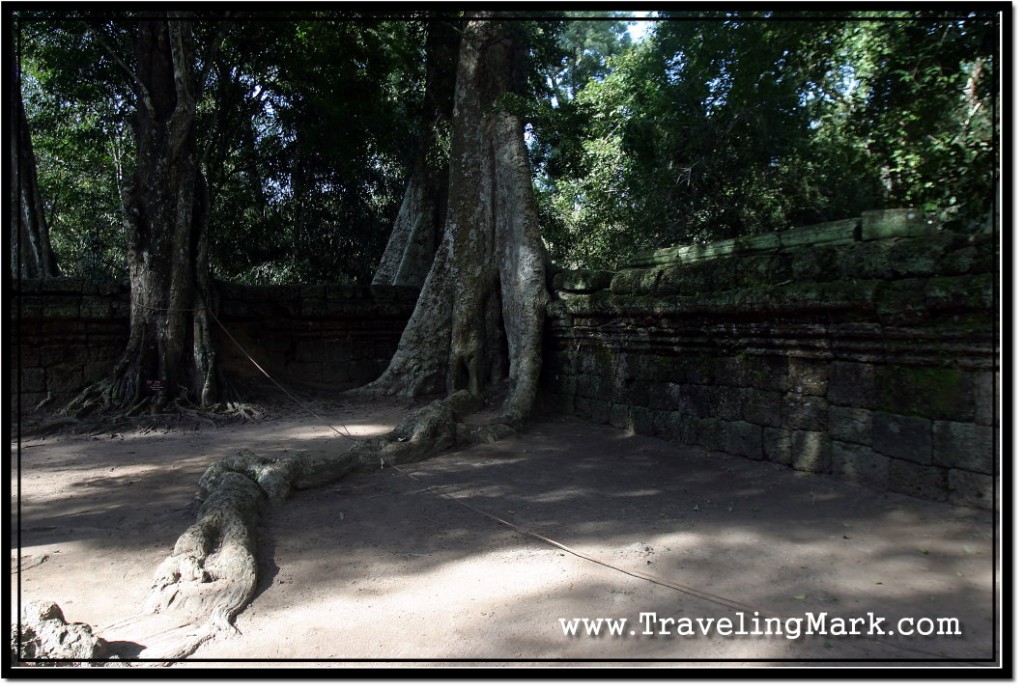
(266, 374)
(679, 587)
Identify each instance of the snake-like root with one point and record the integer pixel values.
(213, 571)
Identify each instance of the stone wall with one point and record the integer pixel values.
(864, 349)
(69, 333)
(66, 333)
(329, 337)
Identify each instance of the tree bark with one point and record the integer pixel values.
(478, 319)
(31, 253)
(170, 355)
(418, 228)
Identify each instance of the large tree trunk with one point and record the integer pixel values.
(169, 356)
(31, 253)
(478, 321)
(418, 228)
(479, 317)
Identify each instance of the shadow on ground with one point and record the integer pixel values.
(412, 564)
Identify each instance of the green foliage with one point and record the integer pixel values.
(77, 115)
(717, 125)
(723, 126)
(305, 127)
(324, 110)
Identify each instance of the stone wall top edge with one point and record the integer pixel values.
(871, 225)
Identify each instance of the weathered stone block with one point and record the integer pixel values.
(667, 424)
(560, 403)
(695, 401)
(313, 293)
(338, 372)
(600, 411)
(688, 427)
(664, 396)
(806, 412)
(697, 370)
(812, 451)
(904, 437)
(635, 393)
(902, 302)
(852, 384)
(971, 489)
(818, 264)
(581, 281)
(763, 407)
(959, 261)
(635, 281)
(643, 421)
(729, 371)
(778, 445)
(850, 424)
(925, 482)
(728, 403)
(965, 445)
(63, 306)
(95, 371)
(985, 404)
(864, 261)
(821, 234)
(770, 372)
(919, 256)
(891, 223)
(309, 351)
(959, 292)
(742, 439)
(64, 378)
(30, 400)
(96, 307)
(313, 308)
(564, 384)
(586, 362)
(593, 386)
(682, 280)
(753, 271)
(33, 379)
(336, 293)
(305, 371)
(28, 356)
(860, 464)
(340, 351)
(710, 434)
(62, 354)
(934, 392)
(809, 377)
(618, 416)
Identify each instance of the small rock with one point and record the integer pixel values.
(47, 638)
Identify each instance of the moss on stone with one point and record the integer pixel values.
(943, 393)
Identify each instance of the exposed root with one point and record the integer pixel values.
(212, 571)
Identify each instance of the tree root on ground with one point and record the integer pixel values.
(212, 571)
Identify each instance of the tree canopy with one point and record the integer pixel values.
(713, 125)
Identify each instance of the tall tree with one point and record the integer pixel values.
(479, 316)
(420, 222)
(478, 319)
(170, 354)
(31, 253)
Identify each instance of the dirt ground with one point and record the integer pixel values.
(394, 568)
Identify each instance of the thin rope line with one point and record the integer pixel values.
(710, 597)
(685, 589)
(688, 590)
(288, 393)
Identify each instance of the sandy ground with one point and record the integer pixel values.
(394, 568)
